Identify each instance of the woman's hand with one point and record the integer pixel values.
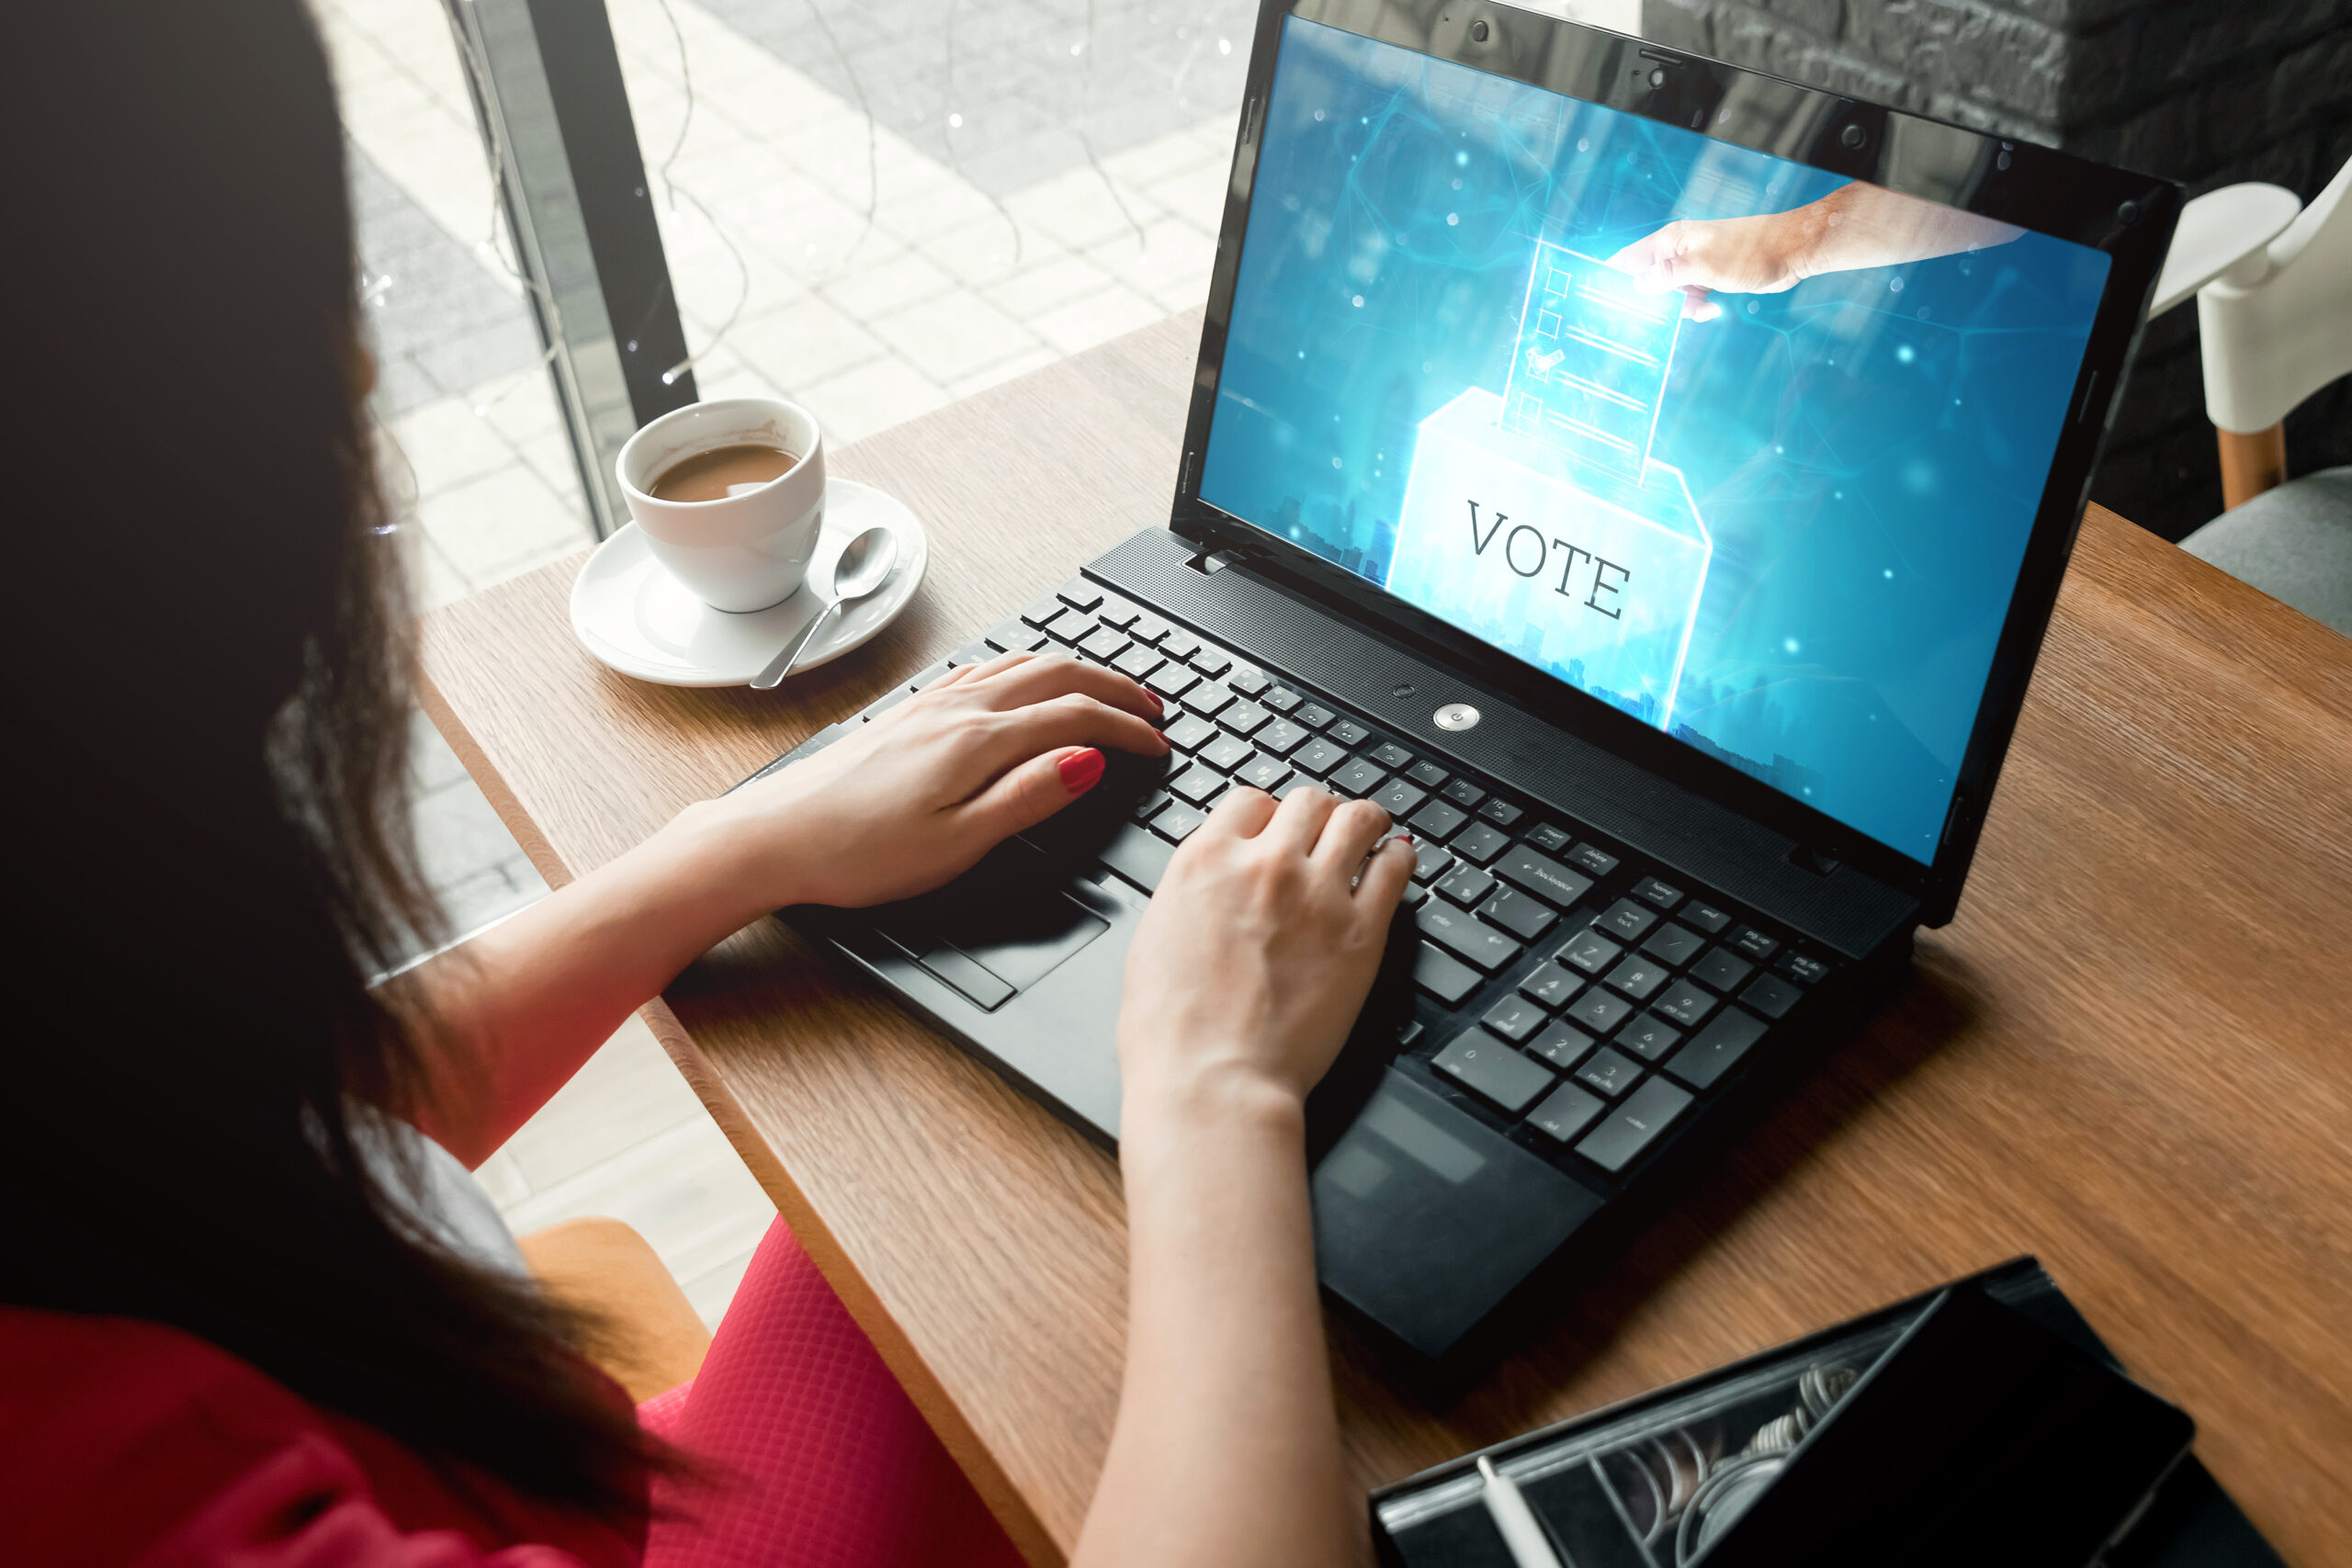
(911, 799)
(1766, 255)
(1244, 978)
(1255, 955)
(1857, 225)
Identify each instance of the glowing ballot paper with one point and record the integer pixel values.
(1590, 367)
(1573, 567)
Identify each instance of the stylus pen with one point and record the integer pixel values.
(1530, 1547)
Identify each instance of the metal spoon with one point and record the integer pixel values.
(865, 562)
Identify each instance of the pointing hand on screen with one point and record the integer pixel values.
(1855, 226)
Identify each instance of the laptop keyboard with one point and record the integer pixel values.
(1574, 996)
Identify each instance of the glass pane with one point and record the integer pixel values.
(874, 208)
(474, 446)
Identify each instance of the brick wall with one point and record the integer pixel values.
(2207, 92)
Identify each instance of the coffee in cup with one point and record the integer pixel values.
(720, 472)
(730, 496)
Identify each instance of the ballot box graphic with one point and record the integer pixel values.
(1570, 565)
(1590, 368)
(1538, 520)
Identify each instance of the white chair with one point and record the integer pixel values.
(2273, 282)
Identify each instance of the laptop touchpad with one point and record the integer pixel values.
(1020, 940)
(1008, 914)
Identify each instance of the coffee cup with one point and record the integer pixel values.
(746, 548)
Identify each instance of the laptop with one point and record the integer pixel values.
(1650, 481)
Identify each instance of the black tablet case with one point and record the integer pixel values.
(2187, 1522)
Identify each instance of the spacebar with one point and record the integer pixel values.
(1140, 856)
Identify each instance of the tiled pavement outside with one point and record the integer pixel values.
(886, 205)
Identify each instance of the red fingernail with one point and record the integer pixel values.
(1153, 698)
(1081, 769)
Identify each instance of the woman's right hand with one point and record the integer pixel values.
(1254, 958)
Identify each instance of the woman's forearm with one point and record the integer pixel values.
(518, 1008)
(894, 809)
(1862, 225)
(1227, 1450)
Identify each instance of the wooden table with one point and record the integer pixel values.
(2130, 1054)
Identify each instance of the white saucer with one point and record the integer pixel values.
(636, 617)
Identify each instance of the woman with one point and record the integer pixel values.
(227, 1333)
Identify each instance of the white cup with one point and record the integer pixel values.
(744, 551)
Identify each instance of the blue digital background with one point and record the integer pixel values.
(1867, 450)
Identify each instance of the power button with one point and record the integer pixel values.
(1456, 716)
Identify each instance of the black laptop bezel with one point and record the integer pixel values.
(2128, 216)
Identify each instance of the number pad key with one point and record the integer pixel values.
(1514, 1017)
(1717, 1049)
(1639, 978)
(1589, 950)
(1685, 1003)
(1551, 986)
(1673, 945)
(1566, 1111)
(1619, 1140)
(1627, 919)
(1479, 1060)
(1598, 1010)
(1560, 1044)
(1723, 969)
(1610, 1072)
(1772, 996)
(1649, 1037)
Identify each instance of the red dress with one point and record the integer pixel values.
(125, 1442)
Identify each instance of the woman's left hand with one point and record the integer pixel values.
(911, 799)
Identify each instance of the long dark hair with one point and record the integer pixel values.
(207, 655)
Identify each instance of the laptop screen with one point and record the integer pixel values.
(1746, 450)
